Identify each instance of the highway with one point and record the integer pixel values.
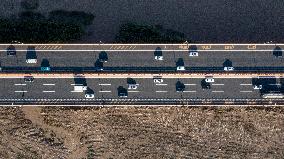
(254, 64)
(62, 89)
(138, 57)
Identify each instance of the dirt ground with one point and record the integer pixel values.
(141, 132)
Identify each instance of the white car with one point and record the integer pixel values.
(228, 68)
(158, 80)
(195, 53)
(133, 86)
(180, 68)
(31, 61)
(257, 87)
(89, 95)
(209, 80)
(159, 58)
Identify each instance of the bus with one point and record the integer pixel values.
(273, 95)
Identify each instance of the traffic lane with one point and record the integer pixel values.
(107, 88)
(146, 59)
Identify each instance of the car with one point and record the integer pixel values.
(159, 58)
(11, 51)
(31, 60)
(158, 80)
(89, 95)
(193, 53)
(209, 79)
(257, 87)
(28, 78)
(133, 86)
(229, 68)
(45, 68)
(180, 68)
(123, 94)
(206, 86)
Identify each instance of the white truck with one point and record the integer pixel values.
(79, 88)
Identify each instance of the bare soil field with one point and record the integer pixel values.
(148, 132)
(201, 20)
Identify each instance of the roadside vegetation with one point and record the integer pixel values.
(139, 33)
(32, 27)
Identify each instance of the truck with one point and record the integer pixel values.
(79, 88)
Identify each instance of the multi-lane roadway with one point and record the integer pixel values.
(127, 57)
(137, 58)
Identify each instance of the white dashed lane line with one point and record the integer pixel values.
(20, 84)
(162, 84)
(189, 91)
(48, 91)
(217, 91)
(133, 91)
(161, 91)
(216, 84)
(190, 84)
(104, 84)
(48, 84)
(245, 84)
(105, 91)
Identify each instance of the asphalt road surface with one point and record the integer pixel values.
(135, 57)
(108, 88)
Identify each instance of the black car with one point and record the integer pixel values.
(11, 51)
(28, 78)
(205, 85)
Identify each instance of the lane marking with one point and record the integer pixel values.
(162, 84)
(133, 91)
(276, 84)
(245, 84)
(104, 84)
(76, 91)
(216, 84)
(21, 91)
(217, 91)
(161, 91)
(20, 84)
(189, 91)
(190, 84)
(48, 84)
(105, 91)
(246, 91)
(48, 91)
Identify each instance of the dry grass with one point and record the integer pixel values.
(129, 132)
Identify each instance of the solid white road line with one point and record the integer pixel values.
(104, 84)
(20, 84)
(245, 84)
(216, 84)
(189, 91)
(162, 84)
(217, 91)
(20, 91)
(161, 91)
(133, 91)
(48, 91)
(246, 91)
(105, 91)
(48, 84)
(190, 84)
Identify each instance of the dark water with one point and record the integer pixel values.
(201, 20)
